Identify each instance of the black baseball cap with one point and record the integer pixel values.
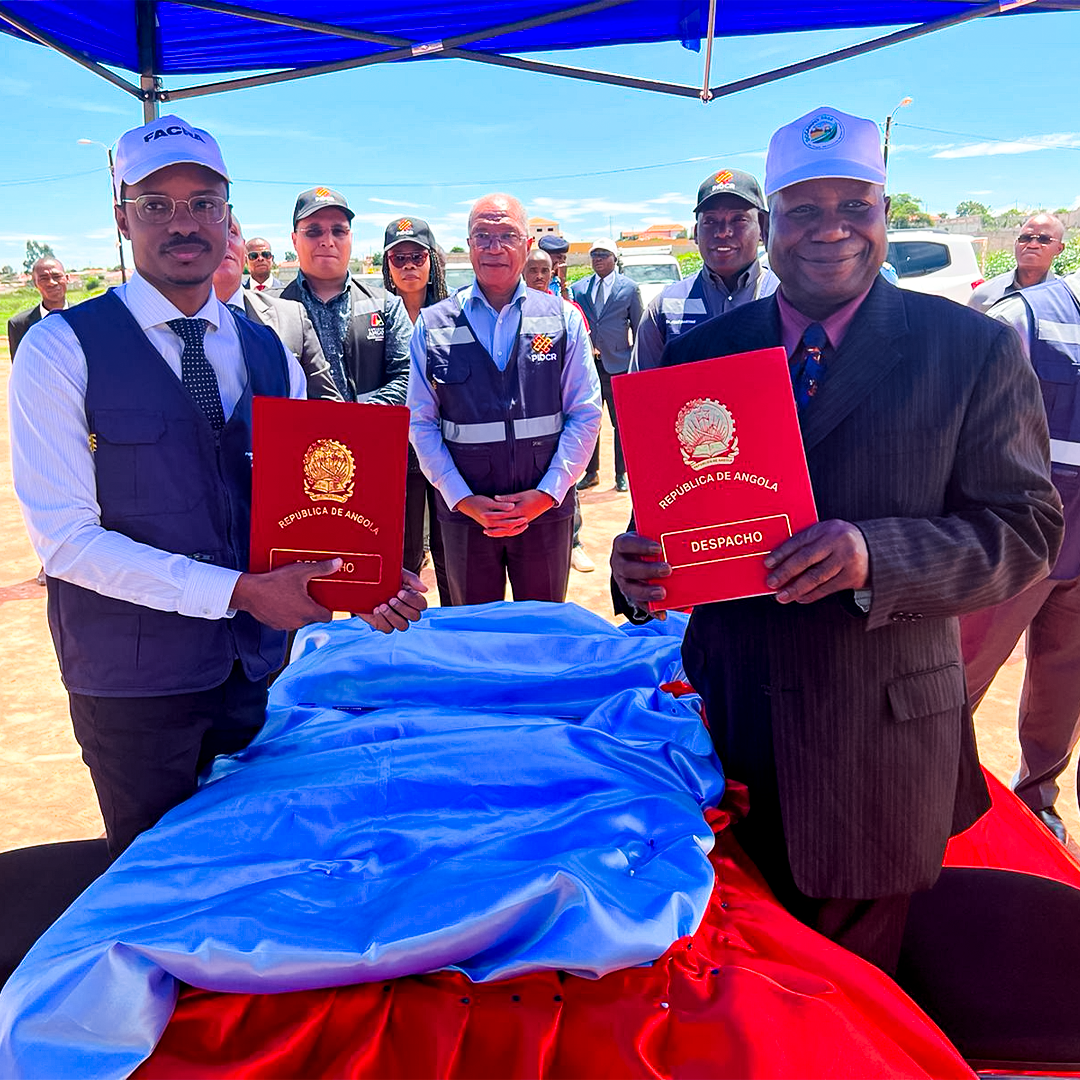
(553, 245)
(730, 182)
(408, 228)
(318, 198)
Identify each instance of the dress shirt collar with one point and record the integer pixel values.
(745, 279)
(150, 308)
(304, 284)
(236, 300)
(474, 295)
(43, 310)
(793, 323)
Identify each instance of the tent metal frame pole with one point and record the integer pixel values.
(43, 38)
(868, 46)
(146, 42)
(706, 93)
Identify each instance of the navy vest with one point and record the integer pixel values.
(501, 427)
(683, 304)
(1055, 355)
(166, 479)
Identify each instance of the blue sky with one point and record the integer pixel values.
(993, 119)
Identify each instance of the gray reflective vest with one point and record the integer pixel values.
(501, 427)
(1055, 355)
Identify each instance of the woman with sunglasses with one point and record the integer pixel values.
(413, 270)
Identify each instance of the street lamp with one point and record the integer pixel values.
(888, 126)
(119, 238)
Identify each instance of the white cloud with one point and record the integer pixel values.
(988, 191)
(575, 209)
(1026, 145)
(398, 203)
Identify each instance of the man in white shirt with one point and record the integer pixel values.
(505, 411)
(260, 265)
(130, 444)
(1040, 241)
(51, 281)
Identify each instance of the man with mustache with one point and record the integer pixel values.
(505, 411)
(131, 448)
(839, 697)
(729, 220)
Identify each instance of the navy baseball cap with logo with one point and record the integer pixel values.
(165, 141)
(553, 245)
(318, 198)
(408, 228)
(824, 144)
(730, 182)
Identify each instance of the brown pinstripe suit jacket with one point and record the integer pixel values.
(929, 434)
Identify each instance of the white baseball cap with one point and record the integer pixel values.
(165, 141)
(825, 143)
(604, 245)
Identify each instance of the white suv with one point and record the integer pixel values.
(653, 269)
(940, 263)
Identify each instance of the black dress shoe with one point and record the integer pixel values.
(620, 483)
(587, 481)
(1049, 817)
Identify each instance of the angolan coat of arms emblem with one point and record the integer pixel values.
(706, 434)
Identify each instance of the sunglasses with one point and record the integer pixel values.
(317, 232)
(401, 259)
(1026, 238)
(261, 255)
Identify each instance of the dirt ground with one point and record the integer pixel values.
(45, 789)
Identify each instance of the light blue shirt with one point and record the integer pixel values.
(497, 332)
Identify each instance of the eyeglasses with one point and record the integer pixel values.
(261, 255)
(161, 209)
(1026, 238)
(601, 255)
(317, 232)
(401, 259)
(485, 240)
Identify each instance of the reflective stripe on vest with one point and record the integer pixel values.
(690, 306)
(540, 324)
(531, 427)
(1064, 452)
(449, 335)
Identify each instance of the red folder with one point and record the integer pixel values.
(717, 470)
(328, 481)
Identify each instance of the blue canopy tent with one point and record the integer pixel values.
(281, 40)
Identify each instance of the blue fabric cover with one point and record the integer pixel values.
(499, 790)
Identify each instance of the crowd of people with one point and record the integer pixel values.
(841, 698)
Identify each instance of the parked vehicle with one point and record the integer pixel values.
(940, 263)
(652, 268)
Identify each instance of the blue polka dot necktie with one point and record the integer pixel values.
(195, 371)
(808, 368)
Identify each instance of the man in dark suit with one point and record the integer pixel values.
(50, 280)
(364, 332)
(612, 306)
(286, 318)
(840, 699)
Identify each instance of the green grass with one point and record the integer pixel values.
(20, 299)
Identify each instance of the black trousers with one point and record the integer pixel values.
(605, 390)
(145, 753)
(420, 497)
(537, 562)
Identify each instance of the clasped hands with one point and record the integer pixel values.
(280, 598)
(506, 515)
(824, 558)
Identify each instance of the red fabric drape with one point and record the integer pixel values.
(1010, 837)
